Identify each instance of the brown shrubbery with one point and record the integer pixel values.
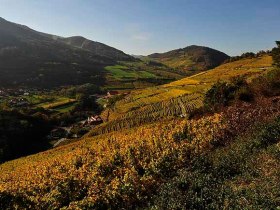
(223, 94)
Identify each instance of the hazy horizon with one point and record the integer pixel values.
(145, 27)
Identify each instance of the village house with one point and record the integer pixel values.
(94, 120)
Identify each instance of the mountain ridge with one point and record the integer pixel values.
(96, 47)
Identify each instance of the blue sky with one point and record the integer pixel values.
(148, 26)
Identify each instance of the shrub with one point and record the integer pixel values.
(222, 93)
(219, 94)
(244, 94)
(228, 177)
(269, 134)
(268, 85)
(115, 99)
(191, 190)
(276, 54)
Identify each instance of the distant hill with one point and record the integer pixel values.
(138, 56)
(192, 58)
(33, 58)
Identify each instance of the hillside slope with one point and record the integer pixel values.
(216, 161)
(34, 58)
(177, 98)
(191, 59)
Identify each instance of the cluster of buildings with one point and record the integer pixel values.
(18, 102)
(65, 132)
(15, 97)
(15, 92)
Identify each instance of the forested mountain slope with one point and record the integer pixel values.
(28, 57)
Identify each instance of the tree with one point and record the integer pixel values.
(87, 103)
(276, 54)
(21, 134)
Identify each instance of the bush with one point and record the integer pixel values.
(218, 95)
(268, 85)
(269, 134)
(244, 94)
(114, 99)
(222, 93)
(276, 54)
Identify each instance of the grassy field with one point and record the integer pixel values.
(123, 72)
(137, 75)
(65, 107)
(35, 99)
(59, 103)
(160, 71)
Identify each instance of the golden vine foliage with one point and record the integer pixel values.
(119, 169)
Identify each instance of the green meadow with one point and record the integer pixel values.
(123, 72)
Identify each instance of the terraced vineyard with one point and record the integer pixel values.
(177, 98)
(179, 106)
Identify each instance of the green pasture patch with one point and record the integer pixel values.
(122, 72)
(66, 108)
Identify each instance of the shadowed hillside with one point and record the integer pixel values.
(32, 58)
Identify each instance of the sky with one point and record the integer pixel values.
(142, 27)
